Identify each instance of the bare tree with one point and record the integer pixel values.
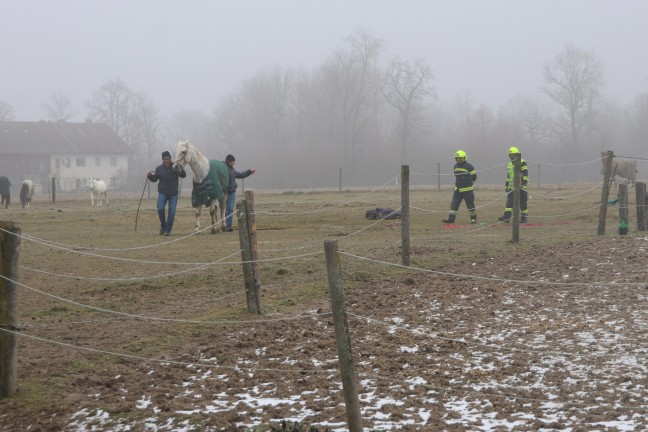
(573, 80)
(405, 87)
(354, 75)
(146, 123)
(257, 116)
(58, 107)
(112, 104)
(193, 125)
(6, 112)
(133, 116)
(531, 120)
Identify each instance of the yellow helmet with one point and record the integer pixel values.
(460, 154)
(513, 150)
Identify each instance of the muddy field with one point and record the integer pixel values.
(126, 330)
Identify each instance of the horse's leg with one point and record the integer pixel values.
(92, 198)
(221, 203)
(197, 226)
(106, 195)
(212, 213)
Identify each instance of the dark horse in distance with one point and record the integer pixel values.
(5, 191)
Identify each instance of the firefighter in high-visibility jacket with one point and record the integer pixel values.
(514, 152)
(465, 176)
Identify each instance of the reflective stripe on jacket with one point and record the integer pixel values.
(465, 176)
(510, 172)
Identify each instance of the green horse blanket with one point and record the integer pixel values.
(213, 187)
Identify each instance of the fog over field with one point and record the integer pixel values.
(299, 89)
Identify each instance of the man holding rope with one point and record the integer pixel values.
(167, 191)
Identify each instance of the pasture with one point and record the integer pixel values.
(125, 330)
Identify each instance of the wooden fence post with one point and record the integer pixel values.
(624, 211)
(9, 252)
(405, 219)
(642, 211)
(249, 252)
(53, 189)
(342, 338)
(438, 175)
(517, 186)
(605, 192)
(339, 179)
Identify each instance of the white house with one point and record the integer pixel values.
(68, 152)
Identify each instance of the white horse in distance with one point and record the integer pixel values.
(99, 190)
(26, 193)
(210, 183)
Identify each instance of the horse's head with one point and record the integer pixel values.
(181, 155)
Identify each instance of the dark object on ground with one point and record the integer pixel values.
(382, 213)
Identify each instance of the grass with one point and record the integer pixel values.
(291, 226)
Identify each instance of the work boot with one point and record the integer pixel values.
(473, 219)
(450, 220)
(506, 217)
(524, 219)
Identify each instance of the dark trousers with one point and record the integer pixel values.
(523, 203)
(457, 198)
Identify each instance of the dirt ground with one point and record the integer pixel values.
(546, 336)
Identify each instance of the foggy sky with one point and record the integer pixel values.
(188, 54)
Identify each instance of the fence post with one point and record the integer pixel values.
(605, 192)
(624, 212)
(342, 338)
(538, 184)
(53, 189)
(9, 252)
(642, 212)
(249, 252)
(339, 179)
(517, 186)
(438, 175)
(405, 219)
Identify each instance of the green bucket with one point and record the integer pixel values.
(623, 227)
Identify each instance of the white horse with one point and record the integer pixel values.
(99, 190)
(625, 168)
(26, 193)
(210, 183)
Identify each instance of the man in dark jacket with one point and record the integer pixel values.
(167, 191)
(465, 176)
(231, 192)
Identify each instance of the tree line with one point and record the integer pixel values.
(367, 114)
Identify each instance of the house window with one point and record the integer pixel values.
(80, 161)
(67, 162)
(97, 161)
(113, 161)
(57, 162)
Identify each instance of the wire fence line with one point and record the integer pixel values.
(566, 165)
(164, 361)
(497, 279)
(148, 317)
(158, 244)
(453, 174)
(323, 210)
